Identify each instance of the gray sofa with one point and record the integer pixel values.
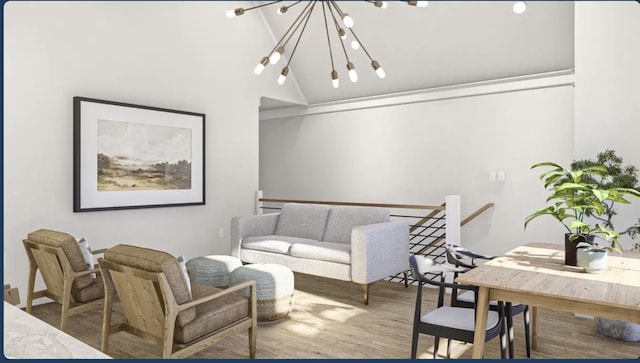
(358, 244)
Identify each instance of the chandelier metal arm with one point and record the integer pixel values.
(326, 28)
(306, 21)
(289, 33)
(337, 8)
(283, 9)
(335, 21)
(361, 44)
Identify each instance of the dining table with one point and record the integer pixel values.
(535, 274)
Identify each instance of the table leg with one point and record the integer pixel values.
(481, 322)
(534, 327)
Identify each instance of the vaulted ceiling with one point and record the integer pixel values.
(446, 43)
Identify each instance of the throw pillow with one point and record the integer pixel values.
(86, 253)
(182, 262)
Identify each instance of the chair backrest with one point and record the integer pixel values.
(141, 294)
(456, 256)
(421, 265)
(136, 274)
(53, 252)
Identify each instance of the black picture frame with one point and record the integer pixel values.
(128, 156)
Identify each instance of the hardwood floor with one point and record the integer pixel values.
(329, 320)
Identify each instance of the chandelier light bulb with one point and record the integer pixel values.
(520, 7)
(347, 20)
(420, 4)
(355, 45)
(260, 67)
(342, 33)
(283, 75)
(235, 12)
(353, 75)
(379, 71)
(335, 82)
(276, 55)
(281, 10)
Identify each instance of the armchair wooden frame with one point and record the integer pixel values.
(152, 308)
(58, 275)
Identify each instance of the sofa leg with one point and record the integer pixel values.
(365, 292)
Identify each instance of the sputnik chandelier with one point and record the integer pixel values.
(330, 12)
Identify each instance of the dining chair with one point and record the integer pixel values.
(159, 306)
(66, 276)
(461, 257)
(451, 322)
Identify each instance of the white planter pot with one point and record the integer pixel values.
(591, 261)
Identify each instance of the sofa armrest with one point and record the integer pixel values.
(379, 250)
(249, 226)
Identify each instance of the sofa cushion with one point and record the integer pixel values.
(303, 220)
(342, 219)
(324, 251)
(276, 244)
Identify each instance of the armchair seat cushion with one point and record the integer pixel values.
(212, 315)
(323, 251)
(90, 292)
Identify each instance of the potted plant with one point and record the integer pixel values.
(574, 198)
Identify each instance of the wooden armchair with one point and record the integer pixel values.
(159, 307)
(68, 282)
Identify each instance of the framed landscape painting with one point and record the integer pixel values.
(129, 156)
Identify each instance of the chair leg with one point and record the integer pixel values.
(508, 313)
(406, 279)
(106, 322)
(503, 340)
(436, 345)
(527, 331)
(414, 343)
(32, 280)
(252, 339)
(66, 302)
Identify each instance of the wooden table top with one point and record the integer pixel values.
(539, 269)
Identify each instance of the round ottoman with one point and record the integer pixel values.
(274, 288)
(212, 270)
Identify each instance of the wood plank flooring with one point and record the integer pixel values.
(329, 320)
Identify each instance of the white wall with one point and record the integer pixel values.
(177, 55)
(607, 98)
(418, 153)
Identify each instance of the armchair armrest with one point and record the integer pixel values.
(379, 250)
(193, 303)
(249, 226)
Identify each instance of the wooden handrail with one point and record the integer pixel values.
(476, 213)
(386, 205)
